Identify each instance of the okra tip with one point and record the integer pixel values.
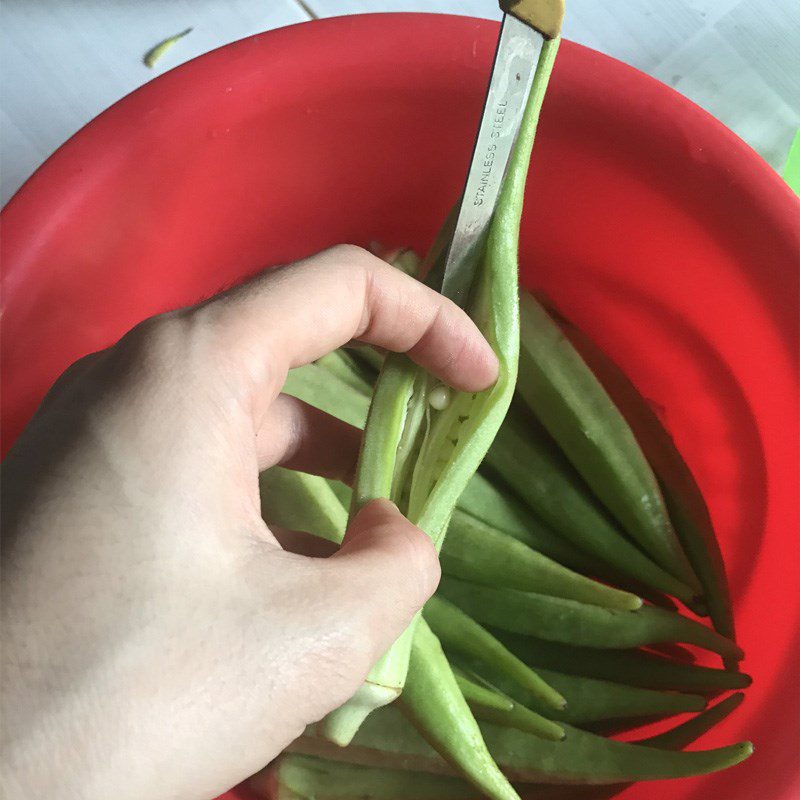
(731, 663)
(747, 748)
(634, 602)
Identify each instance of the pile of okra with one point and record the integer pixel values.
(581, 574)
(570, 562)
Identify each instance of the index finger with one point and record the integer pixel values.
(290, 316)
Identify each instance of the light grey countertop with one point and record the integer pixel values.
(64, 61)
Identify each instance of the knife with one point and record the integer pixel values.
(525, 24)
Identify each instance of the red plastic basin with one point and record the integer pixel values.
(650, 223)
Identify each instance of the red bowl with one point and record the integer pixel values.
(650, 223)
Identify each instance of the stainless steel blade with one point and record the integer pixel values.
(515, 62)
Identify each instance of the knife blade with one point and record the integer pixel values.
(516, 57)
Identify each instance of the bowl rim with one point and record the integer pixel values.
(735, 153)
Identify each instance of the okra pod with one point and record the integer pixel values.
(524, 719)
(301, 502)
(487, 703)
(341, 364)
(631, 667)
(528, 460)
(474, 551)
(477, 693)
(673, 739)
(687, 732)
(567, 398)
(435, 705)
(570, 622)
(322, 389)
(443, 449)
(685, 502)
(462, 634)
(485, 501)
(315, 779)
(590, 700)
(302, 777)
(387, 740)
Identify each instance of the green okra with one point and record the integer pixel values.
(462, 634)
(673, 739)
(685, 502)
(345, 367)
(423, 457)
(675, 651)
(478, 694)
(631, 667)
(687, 732)
(321, 388)
(387, 740)
(484, 501)
(302, 502)
(342, 491)
(570, 622)
(527, 459)
(434, 704)
(590, 700)
(481, 499)
(567, 398)
(522, 718)
(314, 779)
(475, 551)
(489, 704)
(301, 777)
(370, 359)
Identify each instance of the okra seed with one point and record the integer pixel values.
(439, 398)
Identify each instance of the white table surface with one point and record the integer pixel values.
(64, 61)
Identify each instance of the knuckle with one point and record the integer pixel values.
(151, 341)
(154, 354)
(348, 252)
(416, 560)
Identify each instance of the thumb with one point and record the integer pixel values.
(389, 568)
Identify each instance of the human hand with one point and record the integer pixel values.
(158, 642)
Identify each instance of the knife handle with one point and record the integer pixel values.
(544, 15)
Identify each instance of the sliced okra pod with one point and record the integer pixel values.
(317, 779)
(423, 457)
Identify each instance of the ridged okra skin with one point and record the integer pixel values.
(571, 403)
(684, 499)
(527, 459)
(388, 740)
(301, 777)
(632, 667)
(570, 622)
